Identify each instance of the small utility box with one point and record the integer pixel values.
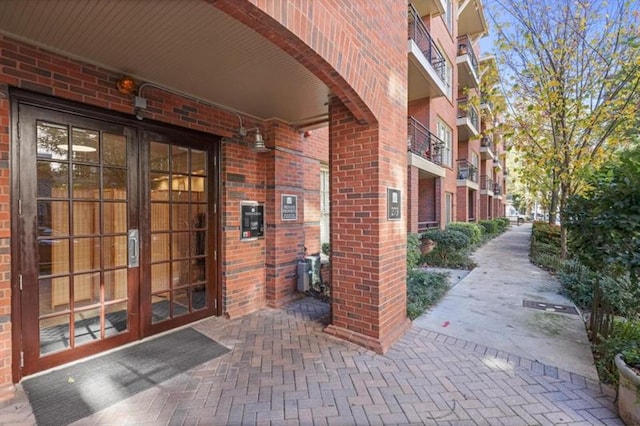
(308, 273)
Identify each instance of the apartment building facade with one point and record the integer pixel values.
(456, 172)
(162, 162)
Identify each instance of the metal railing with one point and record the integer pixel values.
(467, 171)
(497, 189)
(466, 109)
(423, 226)
(486, 142)
(486, 183)
(465, 48)
(420, 35)
(424, 143)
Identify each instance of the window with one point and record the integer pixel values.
(445, 135)
(448, 77)
(324, 205)
(448, 14)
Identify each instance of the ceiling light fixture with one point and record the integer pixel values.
(126, 85)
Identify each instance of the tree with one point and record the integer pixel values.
(604, 231)
(572, 72)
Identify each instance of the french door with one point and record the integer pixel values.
(115, 233)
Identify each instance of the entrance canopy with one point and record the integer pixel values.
(189, 46)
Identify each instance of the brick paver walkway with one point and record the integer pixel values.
(283, 370)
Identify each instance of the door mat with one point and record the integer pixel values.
(64, 396)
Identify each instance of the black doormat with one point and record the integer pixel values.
(64, 396)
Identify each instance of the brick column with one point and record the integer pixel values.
(5, 256)
(368, 256)
(284, 238)
(413, 199)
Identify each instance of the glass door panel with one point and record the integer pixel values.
(178, 224)
(82, 271)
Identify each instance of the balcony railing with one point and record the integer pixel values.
(423, 226)
(465, 48)
(467, 171)
(486, 183)
(420, 35)
(486, 142)
(424, 143)
(497, 189)
(466, 109)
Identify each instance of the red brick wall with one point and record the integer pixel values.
(413, 199)
(430, 197)
(316, 153)
(5, 239)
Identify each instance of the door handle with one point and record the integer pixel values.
(133, 246)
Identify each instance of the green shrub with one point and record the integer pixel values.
(502, 223)
(505, 221)
(471, 230)
(447, 239)
(413, 251)
(452, 248)
(624, 337)
(489, 226)
(546, 233)
(424, 289)
(577, 283)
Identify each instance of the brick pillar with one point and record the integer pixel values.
(368, 256)
(5, 256)
(284, 238)
(462, 206)
(413, 199)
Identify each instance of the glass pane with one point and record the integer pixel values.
(199, 216)
(86, 181)
(159, 277)
(180, 302)
(86, 289)
(159, 153)
(179, 188)
(86, 218)
(87, 326)
(53, 141)
(84, 145)
(160, 247)
(86, 253)
(160, 217)
(198, 297)
(198, 243)
(53, 295)
(198, 189)
(180, 245)
(180, 273)
(159, 186)
(115, 218)
(53, 180)
(180, 216)
(115, 319)
(179, 159)
(198, 270)
(114, 150)
(115, 183)
(54, 334)
(53, 257)
(115, 285)
(115, 251)
(159, 307)
(53, 218)
(198, 162)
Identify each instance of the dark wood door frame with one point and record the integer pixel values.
(18, 232)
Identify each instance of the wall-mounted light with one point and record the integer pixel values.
(258, 143)
(126, 85)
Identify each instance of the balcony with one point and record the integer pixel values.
(497, 164)
(486, 185)
(467, 121)
(471, 19)
(497, 189)
(430, 7)
(486, 104)
(426, 150)
(467, 174)
(468, 69)
(486, 148)
(426, 63)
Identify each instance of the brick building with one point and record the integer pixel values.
(131, 206)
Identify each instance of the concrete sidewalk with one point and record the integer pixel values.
(283, 370)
